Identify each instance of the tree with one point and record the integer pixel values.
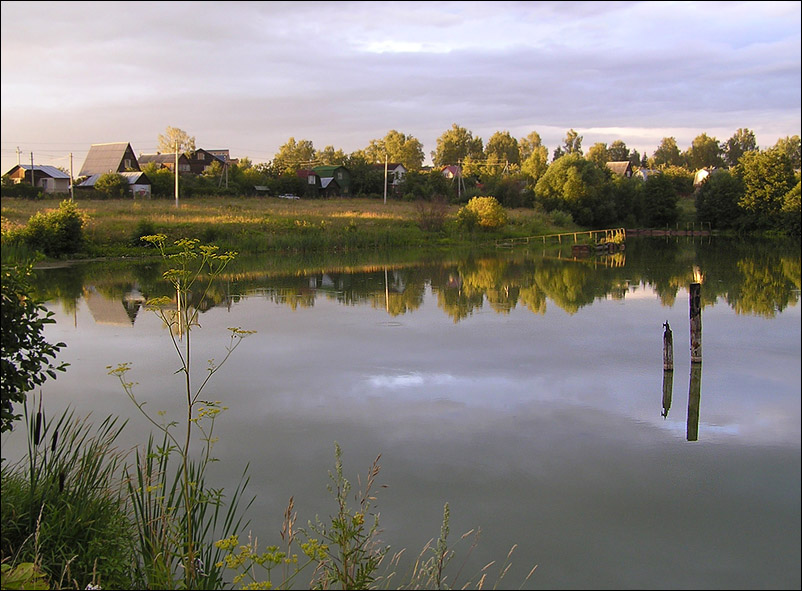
(658, 205)
(455, 145)
(504, 147)
(618, 152)
(536, 164)
(27, 358)
(528, 145)
(572, 142)
(667, 153)
(741, 142)
(579, 187)
(767, 178)
(293, 156)
(487, 212)
(705, 152)
(634, 158)
(330, 156)
(396, 147)
(717, 201)
(162, 181)
(791, 147)
(112, 185)
(599, 154)
(173, 135)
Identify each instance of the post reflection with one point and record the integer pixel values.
(694, 396)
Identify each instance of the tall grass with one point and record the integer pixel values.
(61, 505)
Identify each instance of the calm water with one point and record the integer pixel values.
(525, 391)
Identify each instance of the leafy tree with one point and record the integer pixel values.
(425, 185)
(658, 205)
(536, 163)
(666, 154)
(455, 145)
(618, 152)
(366, 179)
(330, 156)
(791, 147)
(504, 147)
(529, 145)
(792, 210)
(681, 178)
(741, 142)
(635, 159)
(572, 142)
(27, 358)
(579, 187)
(558, 153)
(705, 152)
(717, 201)
(396, 147)
(293, 156)
(599, 154)
(767, 178)
(172, 136)
(112, 185)
(56, 232)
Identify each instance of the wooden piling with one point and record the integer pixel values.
(668, 348)
(695, 297)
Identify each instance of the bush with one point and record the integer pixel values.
(112, 185)
(56, 232)
(489, 212)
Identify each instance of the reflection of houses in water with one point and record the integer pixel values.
(120, 312)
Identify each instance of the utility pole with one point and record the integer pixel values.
(33, 176)
(176, 173)
(18, 154)
(385, 178)
(72, 192)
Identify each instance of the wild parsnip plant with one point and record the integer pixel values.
(62, 510)
(177, 514)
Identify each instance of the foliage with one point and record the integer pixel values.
(293, 156)
(432, 214)
(56, 232)
(681, 178)
(578, 186)
(162, 180)
(488, 211)
(456, 144)
(61, 509)
(791, 146)
(20, 190)
(504, 147)
(666, 154)
(717, 201)
(767, 178)
(658, 202)
(599, 154)
(27, 358)
(112, 185)
(741, 142)
(705, 152)
(396, 147)
(174, 137)
(25, 575)
(792, 211)
(176, 513)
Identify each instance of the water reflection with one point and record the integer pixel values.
(694, 396)
(757, 278)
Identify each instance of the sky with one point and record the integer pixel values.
(248, 76)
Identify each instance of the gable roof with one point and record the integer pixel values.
(104, 158)
(327, 170)
(133, 178)
(50, 171)
(158, 158)
(620, 167)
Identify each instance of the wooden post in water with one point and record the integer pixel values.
(668, 348)
(695, 297)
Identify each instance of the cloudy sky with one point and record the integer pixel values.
(247, 76)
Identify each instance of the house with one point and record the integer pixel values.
(165, 161)
(396, 173)
(341, 176)
(700, 176)
(644, 173)
(322, 186)
(224, 156)
(202, 159)
(103, 158)
(621, 168)
(451, 171)
(138, 183)
(49, 178)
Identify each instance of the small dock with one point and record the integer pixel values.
(612, 237)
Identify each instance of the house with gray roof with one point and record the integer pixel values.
(103, 158)
(138, 183)
(49, 178)
(166, 161)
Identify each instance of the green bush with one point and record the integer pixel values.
(112, 185)
(489, 212)
(56, 232)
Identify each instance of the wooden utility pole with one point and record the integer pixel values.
(385, 178)
(72, 192)
(33, 175)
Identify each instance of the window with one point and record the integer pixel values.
(339, 176)
(200, 155)
(310, 179)
(127, 163)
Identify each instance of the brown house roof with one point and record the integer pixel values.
(103, 158)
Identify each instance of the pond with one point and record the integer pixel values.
(524, 388)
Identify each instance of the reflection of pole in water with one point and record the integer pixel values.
(694, 396)
(668, 368)
(668, 388)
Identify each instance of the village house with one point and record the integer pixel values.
(621, 168)
(165, 161)
(103, 158)
(49, 178)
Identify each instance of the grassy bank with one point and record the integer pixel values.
(255, 225)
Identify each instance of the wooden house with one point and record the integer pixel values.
(339, 174)
(166, 161)
(103, 158)
(49, 178)
(621, 168)
(138, 183)
(202, 159)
